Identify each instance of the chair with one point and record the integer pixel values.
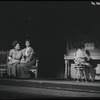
(3, 62)
(81, 70)
(34, 69)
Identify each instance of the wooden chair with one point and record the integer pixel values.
(80, 69)
(3, 62)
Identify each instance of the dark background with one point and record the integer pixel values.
(48, 25)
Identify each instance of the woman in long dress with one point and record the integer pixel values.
(90, 67)
(14, 59)
(25, 63)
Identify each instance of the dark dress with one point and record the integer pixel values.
(25, 64)
(90, 70)
(23, 69)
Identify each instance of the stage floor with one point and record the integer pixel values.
(53, 81)
(54, 84)
(48, 87)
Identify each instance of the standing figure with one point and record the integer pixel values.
(14, 59)
(26, 62)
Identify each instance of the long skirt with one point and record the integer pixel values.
(90, 73)
(23, 69)
(11, 69)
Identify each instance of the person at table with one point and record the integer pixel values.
(13, 59)
(90, 66)
(26, 61)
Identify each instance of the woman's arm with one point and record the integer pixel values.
(30, 54)
(87, 64)
(10, 55)
(12, 60)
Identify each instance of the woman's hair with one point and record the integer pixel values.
(15, 43)
(87, 52)
(27, 40)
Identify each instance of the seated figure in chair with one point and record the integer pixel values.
(79, 56)
(13, 59)
(80, 59)
(25, 63)
(90, 66)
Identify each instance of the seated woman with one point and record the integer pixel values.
(25, 63)
(90, 67)
(79, 56)
(80, 59)
(14, 59)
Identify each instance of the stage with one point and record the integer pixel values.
(48, 88)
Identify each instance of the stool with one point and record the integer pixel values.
(2, 71)
(79, 69)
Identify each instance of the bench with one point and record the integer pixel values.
(3, 62)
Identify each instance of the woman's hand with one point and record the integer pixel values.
(87, 64)
(10, 58)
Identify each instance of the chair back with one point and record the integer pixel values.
(3, 59)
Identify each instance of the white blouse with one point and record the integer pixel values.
(80, 53)
(26, 51)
